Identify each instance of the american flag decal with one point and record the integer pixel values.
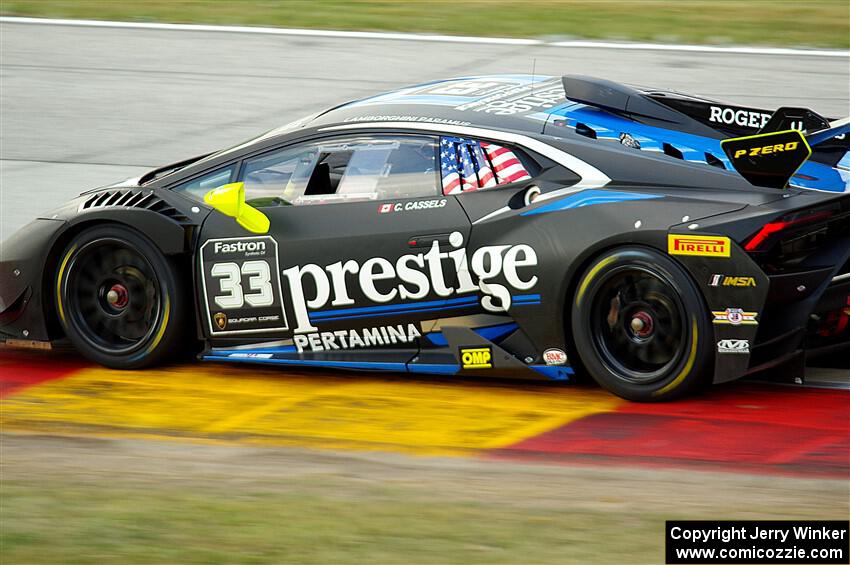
(468, 165)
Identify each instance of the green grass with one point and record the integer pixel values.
(305, 522)
(83, 500)
(820, 23)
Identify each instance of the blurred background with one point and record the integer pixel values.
(198, 464)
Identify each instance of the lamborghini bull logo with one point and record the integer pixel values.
(220, 320)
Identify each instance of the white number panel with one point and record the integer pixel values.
(259, 279)
(241, 283)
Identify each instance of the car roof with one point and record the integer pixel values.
(520, 103)
(515, 102)
(495, 106)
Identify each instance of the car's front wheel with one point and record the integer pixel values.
(640, 326)
(119, 299)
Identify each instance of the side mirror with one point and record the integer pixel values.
(229, 199)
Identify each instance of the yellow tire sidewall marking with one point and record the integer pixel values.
(166, 310)
(588, 278)
(689, 365)
(59, 276)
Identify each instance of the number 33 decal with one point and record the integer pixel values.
(230, 281)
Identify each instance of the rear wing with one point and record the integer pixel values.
(742, 120)
(771, 155)
(690, 114)
(771, 159)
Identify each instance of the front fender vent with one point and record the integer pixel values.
(141, 199)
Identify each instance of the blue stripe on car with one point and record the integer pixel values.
(380, 366)
(396, 309)
(392, 308)
(433, 368)
(588, 198)
(553, 373)
(608, 127)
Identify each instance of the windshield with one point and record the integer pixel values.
(155, 174)
(174, 167)
(301, 122)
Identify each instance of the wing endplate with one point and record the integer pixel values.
(787, 117)
(768, 159)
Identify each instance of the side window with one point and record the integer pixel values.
(343, 170)
(199, 186)
(278, 178)
(467, 165)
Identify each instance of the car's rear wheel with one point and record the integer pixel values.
(640, 326)
(119, 299)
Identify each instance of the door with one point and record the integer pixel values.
(359, 249)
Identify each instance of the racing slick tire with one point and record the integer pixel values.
(121, 301)
(640, 326)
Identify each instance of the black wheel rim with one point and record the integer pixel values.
(638, 324)
(113, 296)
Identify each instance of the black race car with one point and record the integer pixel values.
(510, 226)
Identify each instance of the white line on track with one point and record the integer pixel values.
(703, 48)
(433, 37)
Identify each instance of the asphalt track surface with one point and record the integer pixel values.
(82, 107)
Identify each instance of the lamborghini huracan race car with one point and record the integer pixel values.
(515, 226)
